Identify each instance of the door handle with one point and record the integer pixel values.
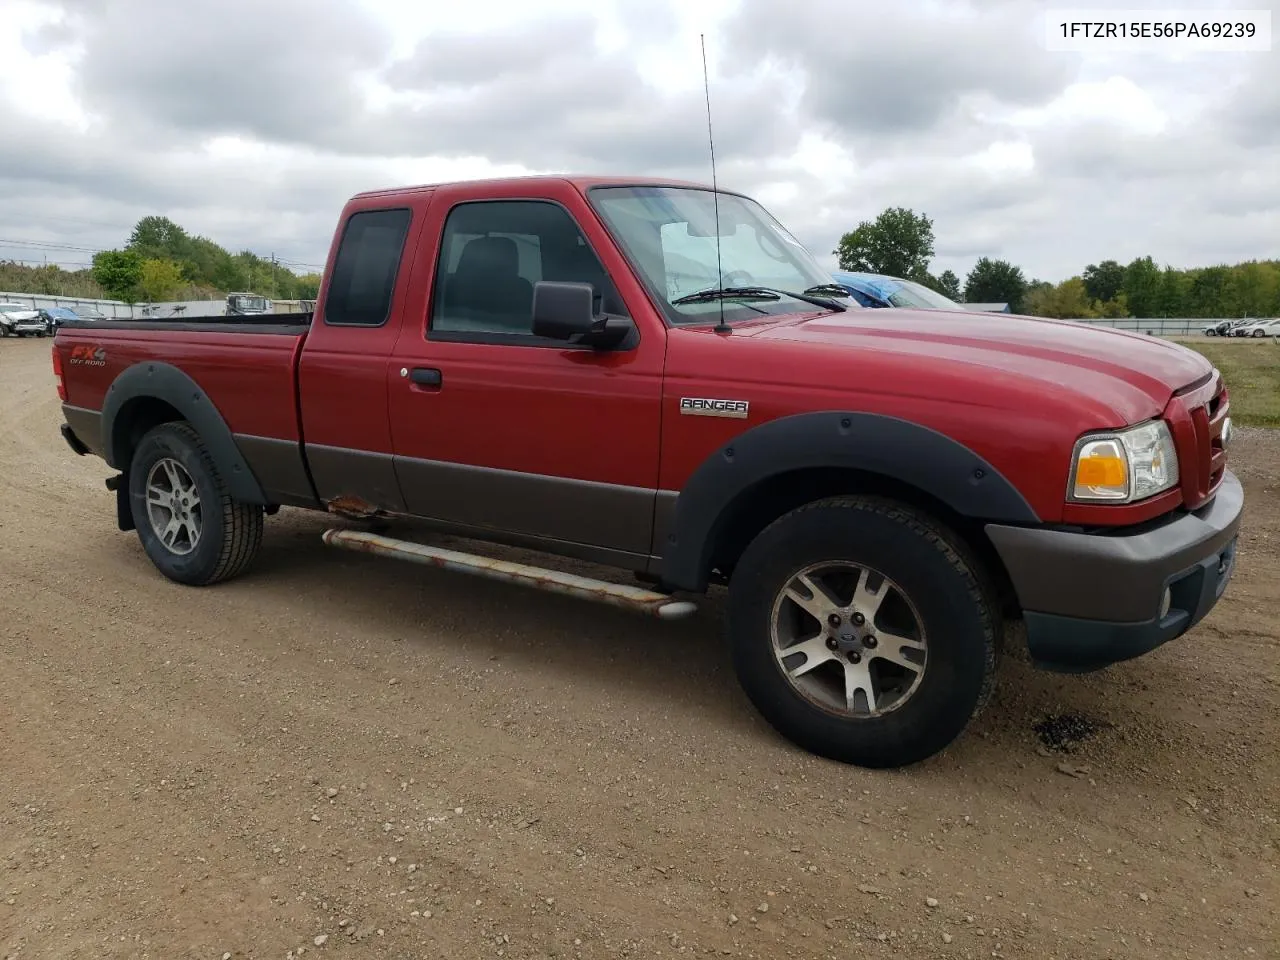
(426, 376)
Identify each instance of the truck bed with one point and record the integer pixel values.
(243, 369)
(289, 324)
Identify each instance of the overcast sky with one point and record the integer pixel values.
(251, 121)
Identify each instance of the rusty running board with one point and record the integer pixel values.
(636, 599)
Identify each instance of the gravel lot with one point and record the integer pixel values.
(351, 757)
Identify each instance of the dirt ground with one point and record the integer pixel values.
(358, 758)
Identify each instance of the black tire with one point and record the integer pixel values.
(952, 601)
(230, 532)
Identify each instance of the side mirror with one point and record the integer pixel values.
(565, 311)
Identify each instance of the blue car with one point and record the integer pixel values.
(877, 290)
(54, 317)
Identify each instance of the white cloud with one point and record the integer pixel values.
(828, 111)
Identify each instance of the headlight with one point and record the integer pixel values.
(1124, 465)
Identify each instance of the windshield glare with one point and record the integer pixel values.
(669, 234)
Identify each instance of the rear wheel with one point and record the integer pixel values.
(862, 631)
(189, 526)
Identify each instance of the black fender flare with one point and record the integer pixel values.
(891, 447)
(164, 381)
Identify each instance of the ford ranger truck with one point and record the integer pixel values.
(628, 372)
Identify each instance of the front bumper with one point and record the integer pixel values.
(1091, 599)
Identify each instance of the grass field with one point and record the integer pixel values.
(1252, 373)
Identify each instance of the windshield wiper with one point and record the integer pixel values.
(727, 293)
(828, 289)
(759, 293)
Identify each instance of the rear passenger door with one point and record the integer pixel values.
(503, 432)
(342, 373)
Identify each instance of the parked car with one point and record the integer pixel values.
(1223, 328)
(877, 492)
(1258, 328)
(21, 320)
(54, 317)
(878, 290)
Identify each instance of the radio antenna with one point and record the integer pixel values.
(720, 327)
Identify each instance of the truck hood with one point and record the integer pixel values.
(1130, 374)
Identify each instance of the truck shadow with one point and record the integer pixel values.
(679, 669)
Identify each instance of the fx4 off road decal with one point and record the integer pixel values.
(88, 356)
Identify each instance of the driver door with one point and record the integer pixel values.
(503, 433)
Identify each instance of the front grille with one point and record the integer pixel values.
(1196, 417)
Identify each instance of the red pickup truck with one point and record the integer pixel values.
(659, 378)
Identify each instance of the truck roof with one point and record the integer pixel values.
(582, 182)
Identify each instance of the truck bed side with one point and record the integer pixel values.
(237, 381)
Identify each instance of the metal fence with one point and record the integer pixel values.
(108, 308)
(1158, 326)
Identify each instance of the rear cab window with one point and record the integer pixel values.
(366, 267)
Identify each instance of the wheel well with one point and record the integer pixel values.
(758, 506)
(135, 418)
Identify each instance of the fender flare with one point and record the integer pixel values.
(891, 447)
(163, 381)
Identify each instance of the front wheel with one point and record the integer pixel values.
(189, 526)
(862, 631)
(1259, 333)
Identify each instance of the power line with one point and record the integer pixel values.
(48, 245)
(46, 263)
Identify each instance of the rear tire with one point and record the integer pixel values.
(189, 526)
(919, 634)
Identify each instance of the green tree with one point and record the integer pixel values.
(309, 286)
(1116, 307)
(995, 281)
(1171, 299)
(118, 272)
(1208, 292)
(160, 280)
(1142, 287)
(1256, 286)
(1103, 281)
(899, 242)
(1068, 300)
(949, 286)
(159, 237)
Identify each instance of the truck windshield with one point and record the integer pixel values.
(669, 233)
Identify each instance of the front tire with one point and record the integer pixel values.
(863, 631)
(189, 526)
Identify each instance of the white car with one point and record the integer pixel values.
(20, 320)
(1262, 328)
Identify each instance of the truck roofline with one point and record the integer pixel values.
(582, 182)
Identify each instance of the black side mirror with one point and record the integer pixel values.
(565, 311)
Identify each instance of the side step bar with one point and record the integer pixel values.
(628, 597)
